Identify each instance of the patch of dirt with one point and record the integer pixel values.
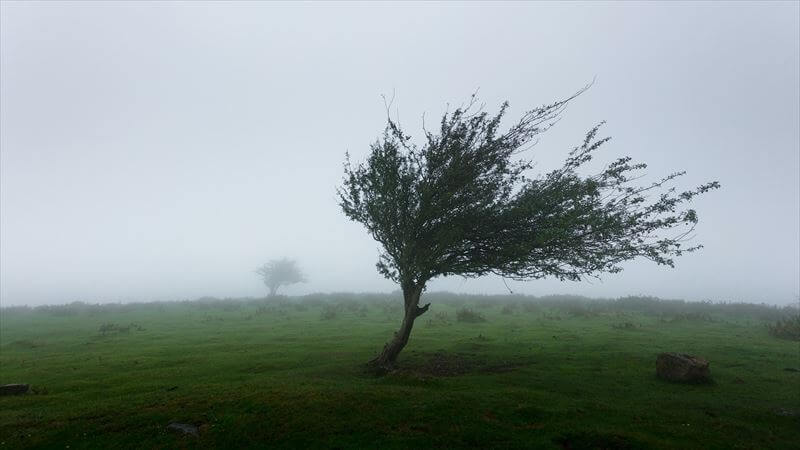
(502, 367)
(183, 428)
(446, 364)
(258, 368)
(443, 364)
(594, 440)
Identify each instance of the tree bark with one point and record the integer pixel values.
(387, 358)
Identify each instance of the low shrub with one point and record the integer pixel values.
(530, 307)
(689, 317)
(392, 307)
(329, 312)
(440, 318)
(786, 328)
(625, 326)
(485, 303)
(113, 328)
(509, 308)
(469, 316)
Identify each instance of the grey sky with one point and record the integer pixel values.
(164, 151)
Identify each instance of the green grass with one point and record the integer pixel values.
(279, 375)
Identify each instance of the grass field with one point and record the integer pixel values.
(288, 373)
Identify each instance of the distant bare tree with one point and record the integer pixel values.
(280, 272)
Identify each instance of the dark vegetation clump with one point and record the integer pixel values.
(70, 309)
(550, 316)
(39, 390)
(440, 318)
(107, 329)
(213, 303)
(486, 303)
(469, 316)
(264, 309)
(391, 306)
(530, 307)
(509, 308)
(208, 318)
(312, 301)
(786, 328)
(625, 326)
(350, 305)
(329, 312)
(453, 301)
(689, 317)
(231, 306)
(17, 310)
(581, 310)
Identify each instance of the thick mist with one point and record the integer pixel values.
(159, 151)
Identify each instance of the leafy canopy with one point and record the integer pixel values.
(461, 203)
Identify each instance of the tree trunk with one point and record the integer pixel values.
(386, 360)
(273, 290)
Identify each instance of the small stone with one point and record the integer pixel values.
(14, 389)
(682, 368)
(184, 428)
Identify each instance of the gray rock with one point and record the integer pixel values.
(13, 389)
(682, 368)
(183, 428)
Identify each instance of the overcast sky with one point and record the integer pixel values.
(163, 151)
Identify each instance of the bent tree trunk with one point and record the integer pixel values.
(387, 357)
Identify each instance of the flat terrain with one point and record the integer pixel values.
(289, 373)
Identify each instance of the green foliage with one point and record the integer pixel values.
(461, 204)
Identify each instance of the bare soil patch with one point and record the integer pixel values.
(447, 364)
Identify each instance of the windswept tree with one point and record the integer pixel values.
(280, 272)
(462, 203)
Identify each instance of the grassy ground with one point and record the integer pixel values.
(289, 374)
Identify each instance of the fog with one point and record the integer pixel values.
(161, 151)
